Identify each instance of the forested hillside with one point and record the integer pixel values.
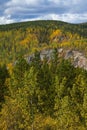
(24, 38)
(41, 85)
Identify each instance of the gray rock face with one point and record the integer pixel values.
(77, 58)
(46, 53)
(29, 58)
(69, 54)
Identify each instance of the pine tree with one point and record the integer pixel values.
(3, 89)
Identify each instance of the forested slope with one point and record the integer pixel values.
(41, 85)
(24, 38)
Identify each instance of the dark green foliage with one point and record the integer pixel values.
(36, 91)
(3, 89)
(41, 94)
(80, 28)
(67, 70)
(21, 38)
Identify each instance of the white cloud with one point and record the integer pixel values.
(65, 5)
(16, 6)
(65, 10)
(24, 2)
(71, 18)
(66, 2)
(6, 20)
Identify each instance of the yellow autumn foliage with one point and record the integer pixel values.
(56, 33)
(65, 44)
(10, 67)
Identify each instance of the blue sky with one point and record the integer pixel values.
(73, 11)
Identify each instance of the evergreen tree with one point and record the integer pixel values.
(3, 89)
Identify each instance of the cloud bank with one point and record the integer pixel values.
(73, 11)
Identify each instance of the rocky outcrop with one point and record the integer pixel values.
(46, 53)
(77, 58)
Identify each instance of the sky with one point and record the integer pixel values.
(72, 11)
